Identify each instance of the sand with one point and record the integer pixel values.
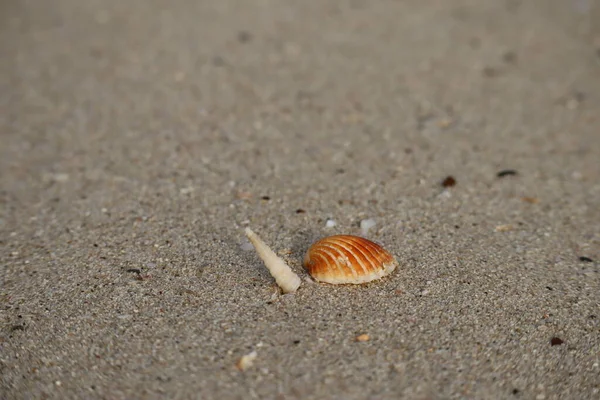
(139, 139)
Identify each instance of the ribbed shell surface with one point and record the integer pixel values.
(348, 259)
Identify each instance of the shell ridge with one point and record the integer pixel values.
(366, 252)
(329, 258)
(350, 248)
(378, 252)
(347, 262)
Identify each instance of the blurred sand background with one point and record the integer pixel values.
(139, 138)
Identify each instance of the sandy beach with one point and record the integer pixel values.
(138, 139)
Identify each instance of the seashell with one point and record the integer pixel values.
(343, 259)
(287, 280)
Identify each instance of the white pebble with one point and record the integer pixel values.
(61, 177)
(366, 225)
(330, 223)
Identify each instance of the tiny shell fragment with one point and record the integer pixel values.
(504, 228)
(363, 338)
(287, 280)
(344, 259)
(366, 225)
(532, 200)
(246, 361)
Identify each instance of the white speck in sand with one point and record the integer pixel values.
(61, 177)
(330, 223)
(246, 361)
(366, 225)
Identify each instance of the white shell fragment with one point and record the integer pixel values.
(330, 223)
(246, 361)
(287, 280)
(366, 225)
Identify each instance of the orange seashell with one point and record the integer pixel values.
(348, 259)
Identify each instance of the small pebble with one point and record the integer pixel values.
(330, 223)
(366, 225)
(555, 341)
(506, 172)
(134, 270)
(449, 182)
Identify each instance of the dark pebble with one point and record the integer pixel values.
(266, 198)
(449, 181)
(506, 172)
(555, 341)
(300, 211)
(585, 259)
(135, 270)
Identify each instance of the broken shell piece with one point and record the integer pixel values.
(344, 259)
(363, 338)
(246, 361)
(366, 225)
(287, 280)
(504, 228)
